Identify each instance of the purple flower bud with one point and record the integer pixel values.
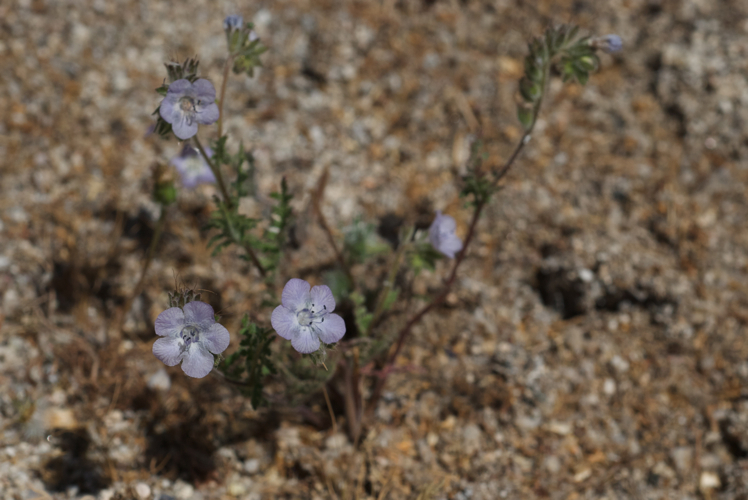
(233, 23)
(187, 104)
(192, 167)
(442, 235)
(609, 43)
(305, 316)
(189, 336)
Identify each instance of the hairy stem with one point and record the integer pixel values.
(228, 203)
(226, 68)
(329, 409)
(217, 172)
(151, 252)
(158, 231)
(392, 275)
(254, 259)
(498, 175)
(331, 239)
(317, 196)
(352, 396)
(230, 380)
(479, 205)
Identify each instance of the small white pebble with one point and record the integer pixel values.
(586, 275)
(609, 386)
(237, 489)
(106, 494)
(252, 466)
(143, 490)
(159, 381)
(709, 481)
(183, 490)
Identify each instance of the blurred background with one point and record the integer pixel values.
(594, 346)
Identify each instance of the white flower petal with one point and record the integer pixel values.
(204, 90)
(168, 350)
(322, 299)
(184, 128)
(295, 294)
(180, 87)
(170, 322)
(199, 313)
(331, 329)
(170, 110)
(216, 339)
(285, 322)
(306, 341)
(207, 114)
(198, 362)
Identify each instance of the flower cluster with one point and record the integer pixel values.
(442, 235)
(189, 336)
(186, 104)
(306, 316)
(243, 44)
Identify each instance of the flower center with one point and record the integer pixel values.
(308, 316)
(189, 334)
(187, 105)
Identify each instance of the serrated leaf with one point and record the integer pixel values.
(571, 34)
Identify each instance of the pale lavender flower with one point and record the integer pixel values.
(233, 23)
(187, 104)
(442, 235)
(609, 43)
(190, 336)
(305, 316)
(192, 167)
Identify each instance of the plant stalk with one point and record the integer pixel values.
(217, 172)
(226, 68)
(392, 275)
(479, 205)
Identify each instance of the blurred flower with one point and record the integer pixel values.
(233, 23)
(608, 43)
(442, 235)
(190, 335)
(192, 167)
(305, 316)
(187, 104)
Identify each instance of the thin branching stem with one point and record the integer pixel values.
(254, 259)
(331, 239)
(157, 232)
(391, 276)
(230, 380)
(217, 172)
(479, 205)
(226, 68)
(228, 203)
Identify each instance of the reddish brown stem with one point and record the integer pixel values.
(479, 204)
(402, 335)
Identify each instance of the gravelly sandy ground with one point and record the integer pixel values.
(595, 346)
